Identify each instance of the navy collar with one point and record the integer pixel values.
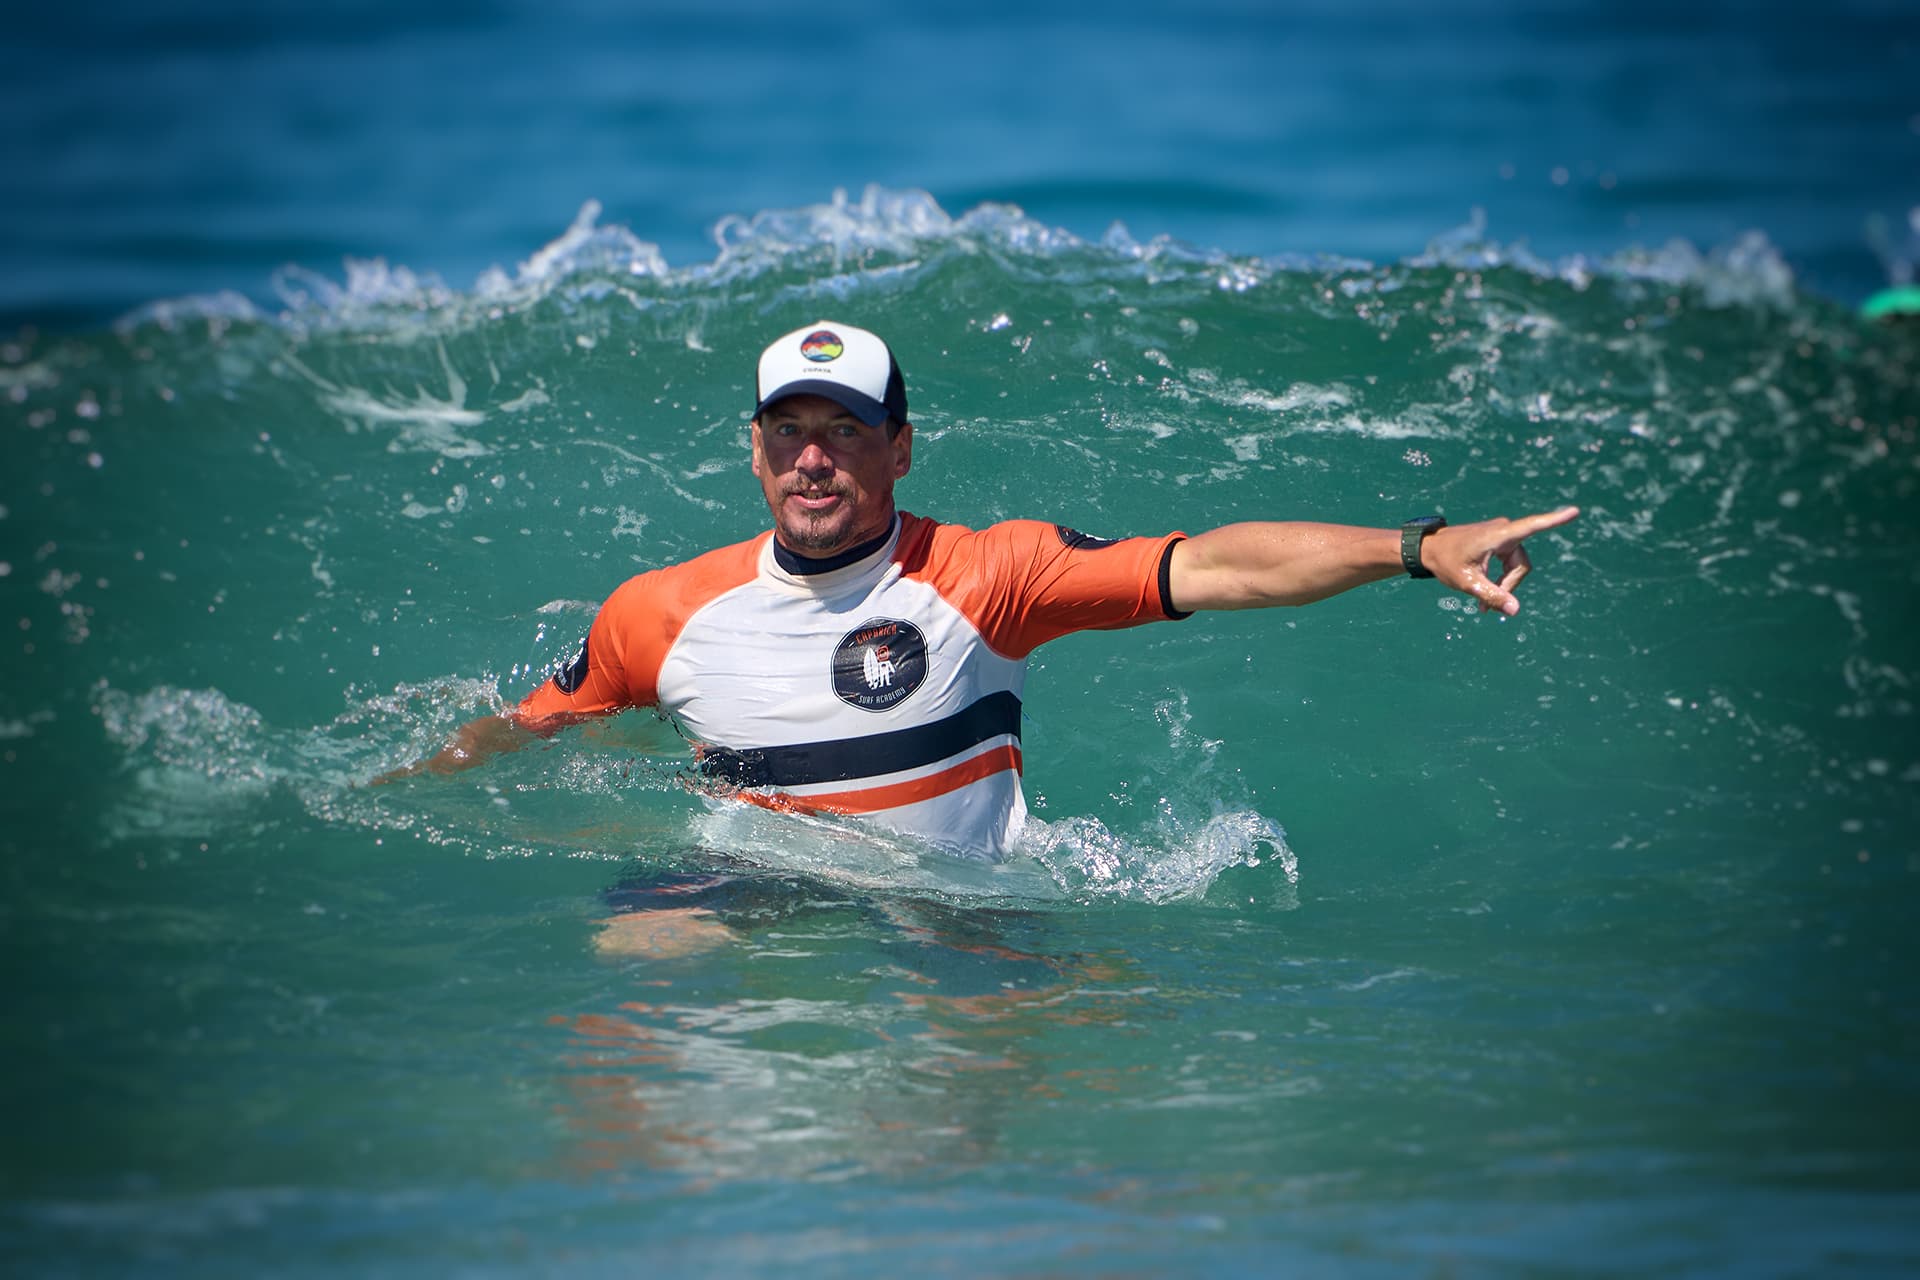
(806, 566)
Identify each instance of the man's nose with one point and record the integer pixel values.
(814, 458)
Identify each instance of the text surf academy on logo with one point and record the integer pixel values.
(879, 664)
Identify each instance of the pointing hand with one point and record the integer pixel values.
(1462, 556)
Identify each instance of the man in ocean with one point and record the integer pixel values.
(864, 662)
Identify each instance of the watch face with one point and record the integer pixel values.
(1427, 524)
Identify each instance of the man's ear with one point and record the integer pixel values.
(903, 450)
(753, 444)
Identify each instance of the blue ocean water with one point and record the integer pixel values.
(354, 354)
(200, 146)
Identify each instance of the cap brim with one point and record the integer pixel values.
(863, 407)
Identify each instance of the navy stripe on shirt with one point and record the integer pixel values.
(844, 759)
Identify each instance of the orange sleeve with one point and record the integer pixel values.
(618, 665)
(1025, 582)
(596, 681)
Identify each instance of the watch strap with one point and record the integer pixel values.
(1412, 534)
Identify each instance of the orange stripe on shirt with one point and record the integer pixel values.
(895, 794)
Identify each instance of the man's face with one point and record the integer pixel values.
(828, 476)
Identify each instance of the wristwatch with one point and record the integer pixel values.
(1412, 534)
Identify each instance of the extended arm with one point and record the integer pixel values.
(475, 742)
(1253, 566)
(593, 684)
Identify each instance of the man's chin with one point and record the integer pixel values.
(816, 538)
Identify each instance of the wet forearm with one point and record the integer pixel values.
(1257, 565)
(478, 741)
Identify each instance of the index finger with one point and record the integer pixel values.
(1527, 526)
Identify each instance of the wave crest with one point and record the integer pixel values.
(1749, 272)
(885, 232)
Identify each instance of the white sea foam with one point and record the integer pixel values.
(1748, 272)
(422, 421)
(886, 231)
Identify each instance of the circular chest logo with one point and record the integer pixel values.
(878, 664)
(821, 346)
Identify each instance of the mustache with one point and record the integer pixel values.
(813, 490)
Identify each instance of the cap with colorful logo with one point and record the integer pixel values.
(849, 366)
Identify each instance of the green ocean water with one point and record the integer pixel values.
(1379, 937)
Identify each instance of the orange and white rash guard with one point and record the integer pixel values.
(888, 687)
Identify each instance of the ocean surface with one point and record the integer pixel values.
(1380, 937)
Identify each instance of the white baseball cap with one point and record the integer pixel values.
(848, 365)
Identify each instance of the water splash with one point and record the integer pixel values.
(200, 761)
(1199, 828)
(195, 760)
(1178, 860)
